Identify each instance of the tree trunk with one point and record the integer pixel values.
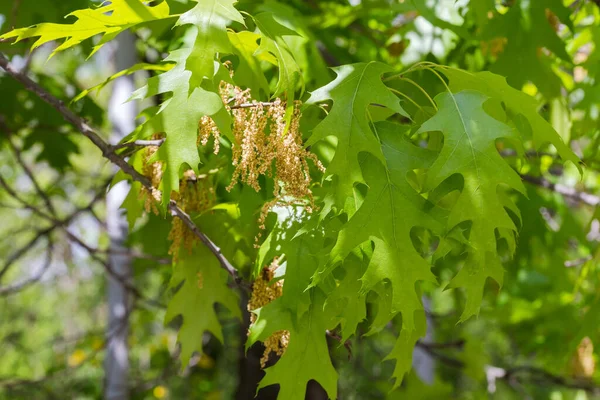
(249, 371)
(122, 116)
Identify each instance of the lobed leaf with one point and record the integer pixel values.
(203, 284)
(470, 150)
(355, 88)
(107, 20)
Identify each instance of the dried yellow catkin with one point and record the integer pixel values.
(583, 364)
(206, 129)
(153, 171)
(264, 145)
(196, 195)
(262, 294)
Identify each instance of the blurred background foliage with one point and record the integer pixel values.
(533, 338)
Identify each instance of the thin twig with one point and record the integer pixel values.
(582, 197)
(577, 262)
(108, 152)
(28, 172)
(123, 280)
(586, 385)
(528, 153)
(456, 344)
(19, 286)
(250, 105)
(15, 196)
(451, 361)
(23, 250)
(56, 223)
(208, 243)
(507, 374)
(140, 143)
(78, 122)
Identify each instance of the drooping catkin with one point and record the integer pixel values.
(263, 292)
(196, 194)
(583, 364)
(206, 129)
(266, 144)
(154, 171)
(273, 151)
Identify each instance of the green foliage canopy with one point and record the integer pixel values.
(422, 190)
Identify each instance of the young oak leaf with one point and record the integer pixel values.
(517, 102)
(249, 72)
(178, 117)
(271, 41)
(303, 256)
(346, 300)
(128, 71)
(403, 349)
(306, 357)
(211, 18)
(391, 209)
(469, 149)
(303, 249)
(355, 88)
(108, 21)
(303, 41)
(204, 285)
(525, 28)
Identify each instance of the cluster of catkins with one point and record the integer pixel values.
(196, 194)
(263, 292)
(153, 170)
(265, 144)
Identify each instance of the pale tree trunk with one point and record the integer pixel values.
(122, 116)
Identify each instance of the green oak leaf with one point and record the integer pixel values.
(34, 11)
(355, 88)
(108, 21)
(382, 307)
(469, 149)
(303, 256)
(128, 71)
(307, 356)
(526, 28)
(204, 285)
(403, 349)
(391, 209)
(302, 44)
(272, 32)
(347, 300)
(303, 252)
(517, 102)
(178, 118)
(249, 72)
(210, 17)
